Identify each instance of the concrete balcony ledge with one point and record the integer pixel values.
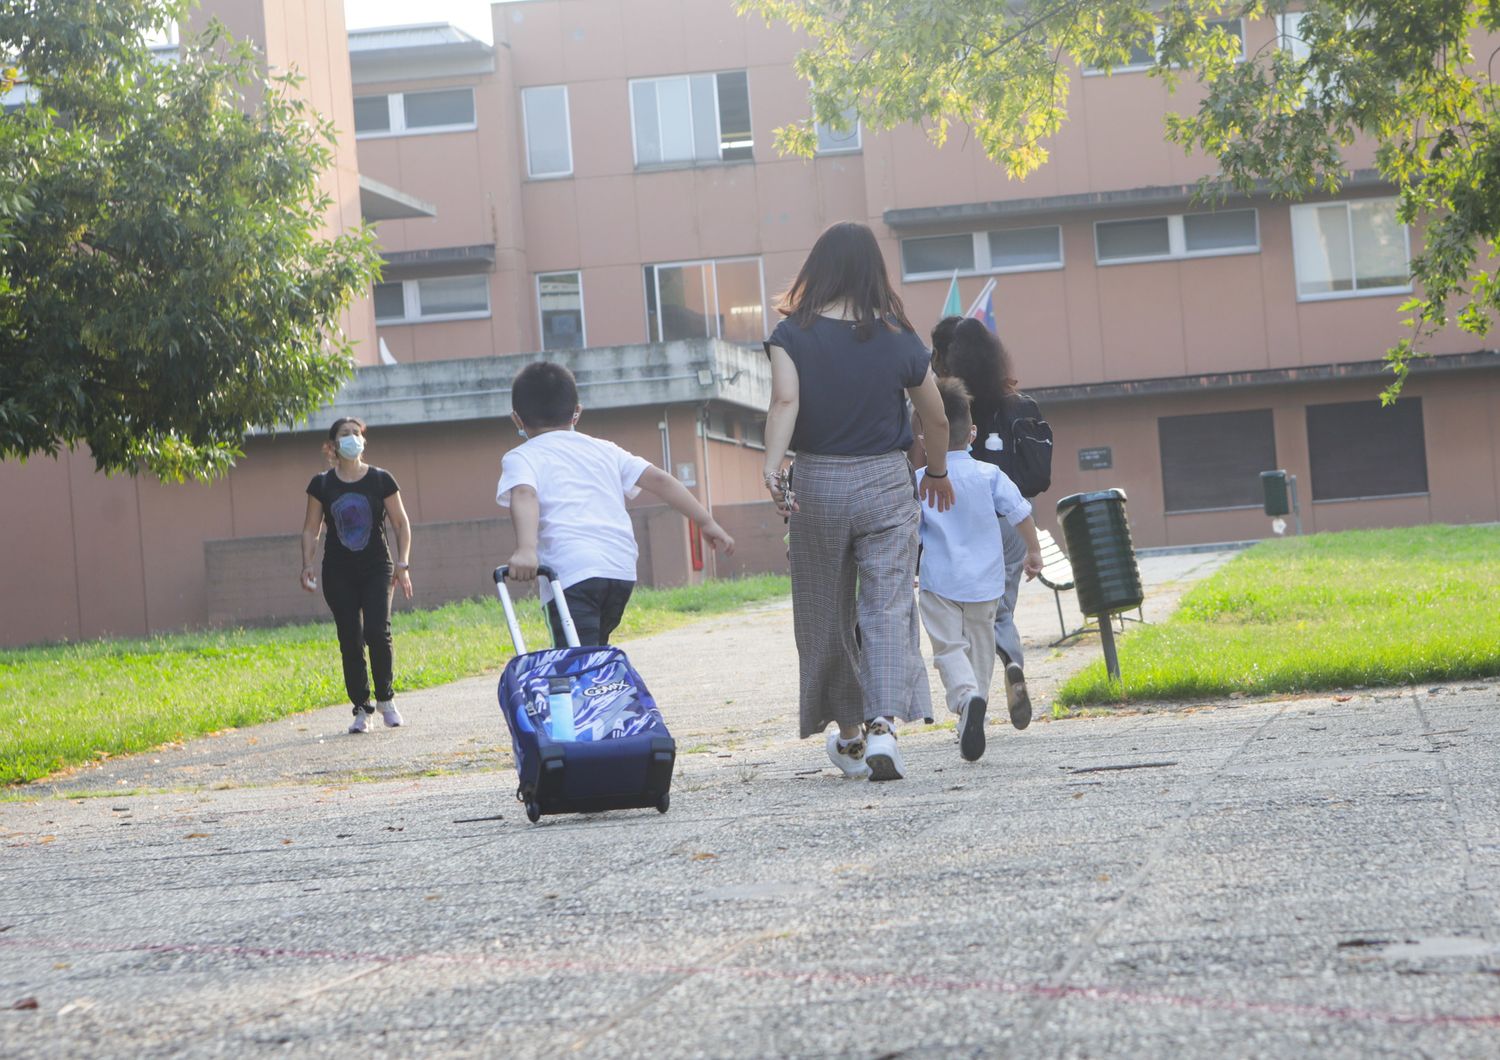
(609, 377)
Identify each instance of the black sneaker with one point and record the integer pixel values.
(1015, 696)
(971, 730)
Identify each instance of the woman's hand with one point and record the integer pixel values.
(402, 577)
(309, 578)
(937, 492)
(779, 486)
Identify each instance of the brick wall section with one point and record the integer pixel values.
(254, 580)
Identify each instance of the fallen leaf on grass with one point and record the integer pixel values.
(1103, 877)
(47, 839)
(25, 1003)
(431, 897)
(1078, 795)
(61, 966)
(286, 842)
(1342, 699)
(196, 835)
(705, 856)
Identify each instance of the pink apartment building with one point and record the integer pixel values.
(600, 185)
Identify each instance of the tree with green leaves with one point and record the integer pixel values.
(1413, 78)
(166, 282)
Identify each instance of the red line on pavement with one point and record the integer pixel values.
(995, 986)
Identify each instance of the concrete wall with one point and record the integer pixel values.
(1461, 421)
(253, 580)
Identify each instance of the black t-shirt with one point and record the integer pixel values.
(354, 513)
(852, 394)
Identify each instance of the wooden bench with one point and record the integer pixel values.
(1057, 575)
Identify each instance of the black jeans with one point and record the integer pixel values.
(597, 605)
(361, 604)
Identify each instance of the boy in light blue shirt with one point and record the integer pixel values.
(963, 571)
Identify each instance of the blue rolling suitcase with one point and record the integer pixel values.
(586, 733)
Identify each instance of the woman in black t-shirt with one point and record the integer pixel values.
(843, 363)
(354, 500)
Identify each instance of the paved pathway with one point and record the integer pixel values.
(1318, 876)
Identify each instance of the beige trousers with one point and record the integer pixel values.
(963, 645)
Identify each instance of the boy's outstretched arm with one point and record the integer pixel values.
(666, 488)
(526, 515)
(1033, 566)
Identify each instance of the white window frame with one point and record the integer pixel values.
(567, 124)
(396, 102)
(1156, 35)
(411, 300)
(982, 254)
(1368, 292)
(1176, 239)
(858, 145)
(583, 319)
(686, 79)
(714, 263)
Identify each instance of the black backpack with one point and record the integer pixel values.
(1025, 444)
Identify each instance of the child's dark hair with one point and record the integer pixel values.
(333, 432)
(976, 355)
(956, 407)
(544, 394)
(942, 335)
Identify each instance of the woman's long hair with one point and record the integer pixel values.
(845, 268)
(978, 357)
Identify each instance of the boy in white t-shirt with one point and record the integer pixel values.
(566, 492)
(962, 572)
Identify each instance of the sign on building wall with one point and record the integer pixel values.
(1099, 458)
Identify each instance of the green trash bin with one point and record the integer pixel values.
(1277, 496)
(1097, 535)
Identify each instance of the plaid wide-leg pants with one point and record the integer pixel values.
(854, 556)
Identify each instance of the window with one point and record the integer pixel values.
(697, 118)
(549, 148)
(974, 253)
(372, 114)
(442, 110)
(1214, 460)
(559, 298)
(434, 298)
(1289, 35)
(1345, 249)
(706, 299)
(1363, 449)
(1191, 235)
(831, 141)
(1143, 53)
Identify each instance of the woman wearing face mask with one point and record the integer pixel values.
(354, 500)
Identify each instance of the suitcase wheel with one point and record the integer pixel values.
(664, 803)
(534, 811)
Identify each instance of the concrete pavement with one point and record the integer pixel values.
(1318, 876)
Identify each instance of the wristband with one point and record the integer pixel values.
(403, 566)
(934, 474)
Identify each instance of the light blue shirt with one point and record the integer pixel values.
(963, 558)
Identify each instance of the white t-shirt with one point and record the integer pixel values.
(581, 485)
(963, 558)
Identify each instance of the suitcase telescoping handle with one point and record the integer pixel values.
(549, 589)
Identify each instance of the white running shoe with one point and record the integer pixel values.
(361, 722)
(850, 756)
(881, 752)
(391, 715)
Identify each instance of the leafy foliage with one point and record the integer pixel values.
(1414, 78)
(165, 283)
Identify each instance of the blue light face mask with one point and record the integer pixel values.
(350, 446)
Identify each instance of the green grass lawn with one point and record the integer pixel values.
(1370, 607)
(72, 703)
